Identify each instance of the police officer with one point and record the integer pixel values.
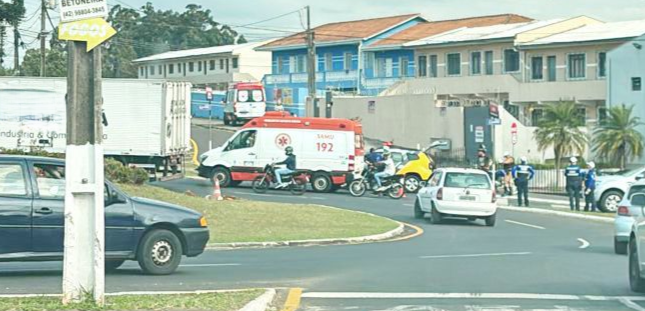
(574, 183)
(590, 187)
(522, 173)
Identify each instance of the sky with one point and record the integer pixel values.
(240, 13)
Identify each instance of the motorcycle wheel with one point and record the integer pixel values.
(260, 184)
(298, 187)
(357, 188)
(396, 191)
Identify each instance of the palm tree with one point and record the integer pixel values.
(616, 139)
(560, 129)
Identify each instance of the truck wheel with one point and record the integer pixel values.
(610, 200)
(159, 252)
(321, 182)
(223, 175)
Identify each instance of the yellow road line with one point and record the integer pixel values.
(293, 300)
(195, 151)
(407, 237)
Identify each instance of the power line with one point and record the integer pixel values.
(268, 19)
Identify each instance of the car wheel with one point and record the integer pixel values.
(412, 183)
(111, 265)
(436, 216)
(223, 175)
(490, 220)
(160, 252)
(321, 182)
(610, 200)
(620, 248)
(636, 282)
(418, 213)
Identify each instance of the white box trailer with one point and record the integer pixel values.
(148, 121)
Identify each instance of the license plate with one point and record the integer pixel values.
(467, 198)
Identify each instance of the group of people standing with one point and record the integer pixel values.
(520, 174)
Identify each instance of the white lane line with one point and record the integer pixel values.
(410, 205)
(527, 296)
(210, 265)
(630, 304)
(524, 224)
(560, 206)
(584, 243)
(475, 255)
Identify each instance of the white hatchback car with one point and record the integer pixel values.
(457, 192)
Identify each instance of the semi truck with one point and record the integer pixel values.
(146, 123)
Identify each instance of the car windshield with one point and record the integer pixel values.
(467, 180)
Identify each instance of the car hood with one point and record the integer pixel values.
(160, 205)
(610, 178)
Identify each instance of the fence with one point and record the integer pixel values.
(548, 181)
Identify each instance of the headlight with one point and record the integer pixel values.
(202, 158)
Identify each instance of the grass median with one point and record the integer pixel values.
(223, 301)
(255, 221)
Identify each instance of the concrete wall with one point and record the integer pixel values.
(408, 120)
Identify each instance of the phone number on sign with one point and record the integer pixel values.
(81, 12)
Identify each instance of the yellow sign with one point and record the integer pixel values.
(93, 31)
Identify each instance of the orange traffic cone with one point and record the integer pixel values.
(217, 192)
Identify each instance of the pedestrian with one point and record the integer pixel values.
(522, 174)
(574, 183)
(508, 163)
(590, 187)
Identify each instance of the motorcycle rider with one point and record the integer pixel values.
(290, 163)
(522, 173)
(388, 170)
(483, 161)
(574, 183)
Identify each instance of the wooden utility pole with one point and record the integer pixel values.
(43, 34)
(311, 65)
(84, 199)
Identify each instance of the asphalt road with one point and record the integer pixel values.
(524, 260)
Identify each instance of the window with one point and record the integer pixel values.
(536, 117)
(602, 64)
(301, 63)
(211, 64)
(475, 63)
(199, 66)
(511, 60)
(235, 62)
(160, 69)
(280, 64)
(152, 70)
(436, 179)
(512, 109)
(467, 180)
(329, 66)
(488, 62)
(369, 60)
(581, 113)
(12, 180)
(423, 64)
(537, 68)
(347, 61)
(602, 114)
(433, 66)
(636, 84)
(577, 66)
(171, 68)
(179, 68)
(250, 96)
(191, 66)
(227, 65)
(243, 140)
(221, 64)
(141, 71)
(551, 69)
(404, 66)
(50, 180)
(454, 64)
(380, 67)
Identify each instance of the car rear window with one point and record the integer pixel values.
(636, 189)
(467, 180)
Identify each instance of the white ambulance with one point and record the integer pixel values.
(328, 148)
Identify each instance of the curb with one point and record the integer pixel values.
(262, 302)
(316, 242)
(559, 213)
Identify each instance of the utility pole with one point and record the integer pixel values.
(16, 51)
(83, 269)
(311, 65)
(43, 34)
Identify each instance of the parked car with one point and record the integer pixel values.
(457, 192)
(625, 218)
(636, 250)
(610, 189)
(32, 191)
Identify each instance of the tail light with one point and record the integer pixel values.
(494, 199)
(351, 162)
(623, 211)
(440, 194)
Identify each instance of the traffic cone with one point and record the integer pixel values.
(217, 192)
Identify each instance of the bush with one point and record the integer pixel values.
(119, 173)
(35, 153)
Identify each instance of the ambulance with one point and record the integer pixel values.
(244, 101)
(328, 148)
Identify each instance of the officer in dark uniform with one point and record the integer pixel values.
(574, 183)
(522, 173)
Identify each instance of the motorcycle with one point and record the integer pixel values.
(296, 181)
(392, 186)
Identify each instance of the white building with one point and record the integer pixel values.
(216, 66)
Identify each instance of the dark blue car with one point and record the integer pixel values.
(32, 191)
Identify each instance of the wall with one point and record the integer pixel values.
(442, 51)
(408, 120)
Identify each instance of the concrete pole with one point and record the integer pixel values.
(311, 66)
(83, 270)
(43, 35)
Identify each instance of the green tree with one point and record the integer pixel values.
(560, 129)
(11, 13)
(55, 63)
(617, 139)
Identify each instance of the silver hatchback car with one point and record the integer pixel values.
(625, 217)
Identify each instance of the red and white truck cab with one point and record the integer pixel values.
(329, 149)
(244, 101)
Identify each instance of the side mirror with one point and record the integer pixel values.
(114, 198)
(638, 200)
(640, 176)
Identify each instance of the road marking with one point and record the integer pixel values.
(195, 151)
(560, 206)
(524, 224)
(210, 265)
(293, 300)
(584, 245)
(630, 304)
(527, 296)
(410, 205)
(407, 237)
(475, 255)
